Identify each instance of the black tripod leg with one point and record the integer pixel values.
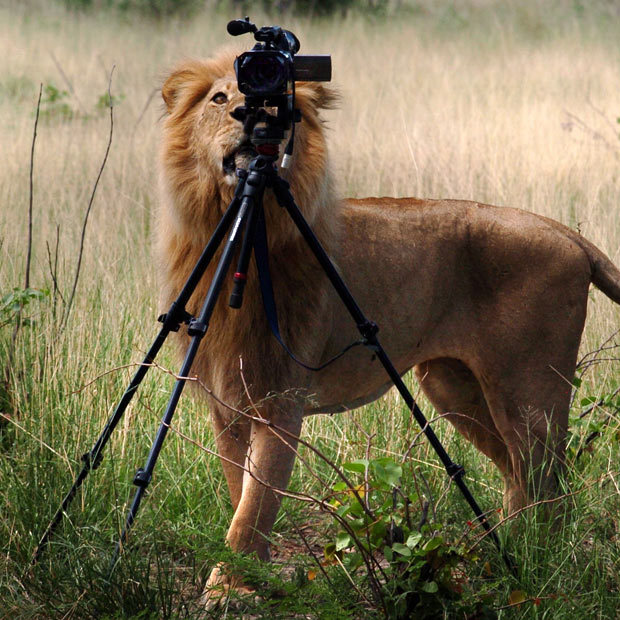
(241, 275)
(369, 332)
(171, 322)
(197, 329)
(92, 459)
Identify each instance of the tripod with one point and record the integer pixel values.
(245, 214)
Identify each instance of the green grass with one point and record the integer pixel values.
(509, 103)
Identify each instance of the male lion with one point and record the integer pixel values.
(487, 304)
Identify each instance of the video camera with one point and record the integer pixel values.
(266, 75)
(271, 67)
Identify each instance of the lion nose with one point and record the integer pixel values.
(239, 113)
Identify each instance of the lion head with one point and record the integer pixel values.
(203, 145)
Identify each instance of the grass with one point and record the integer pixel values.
(509, 103)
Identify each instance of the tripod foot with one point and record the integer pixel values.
(221, 586)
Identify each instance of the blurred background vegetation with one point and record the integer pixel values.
(188, 8)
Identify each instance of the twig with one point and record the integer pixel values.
(144, 109)
(307, 545)
(107, 372)
(431, 501)
(18, 317)
(424, 516)
(67, 82)
(90, 204)
(438, 417)
(535, 600)
(596, 135)
(592, 356)
(541, 502)
(10, 420)
(31, 196)
(353, 584)
(594, 434)
(54, 270)
(369, 438)
(600, 403)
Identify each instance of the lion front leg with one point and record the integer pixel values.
(232, 437)
(268, 466)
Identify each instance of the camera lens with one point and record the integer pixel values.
(268, 72)
(263, 73)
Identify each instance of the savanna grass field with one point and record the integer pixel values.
(509, 103)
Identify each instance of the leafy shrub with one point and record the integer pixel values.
(16, 87)
(104, 101)
(14, 303)
(54, 104)
(412, 569)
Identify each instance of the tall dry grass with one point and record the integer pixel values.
(485, 104)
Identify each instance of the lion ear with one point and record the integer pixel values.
(319, 96)
(191, 77)
(171, 88)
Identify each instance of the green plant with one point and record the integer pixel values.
(591, 419)
(16, 87)
(105, 100)
(14, 303)
(54, 104)
(413, 570)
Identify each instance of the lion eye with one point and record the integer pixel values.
(219, 98)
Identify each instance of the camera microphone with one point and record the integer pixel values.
(240, 26)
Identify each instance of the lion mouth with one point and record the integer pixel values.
(239, 157)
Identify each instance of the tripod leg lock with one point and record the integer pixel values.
(89, 461)
(369, 330)
(455, 471)
(236, 297)
(197, 328)
(142, 478)
(174, 317)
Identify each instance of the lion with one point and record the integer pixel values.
(487, 304)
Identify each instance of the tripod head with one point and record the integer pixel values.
(266, 75)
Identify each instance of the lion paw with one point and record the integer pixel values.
(220, 585)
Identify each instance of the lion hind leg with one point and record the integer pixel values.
(530, 411)
(454, 391)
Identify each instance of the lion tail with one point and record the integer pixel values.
(605, 275)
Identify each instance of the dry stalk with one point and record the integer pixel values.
(542, 502)
(6, 378)
(301, 535)
(90, 204)
(31, 194)
(53, 268)
(149, 99)
(593, 357)
(67, 82)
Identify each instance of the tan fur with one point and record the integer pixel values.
(486, 303)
